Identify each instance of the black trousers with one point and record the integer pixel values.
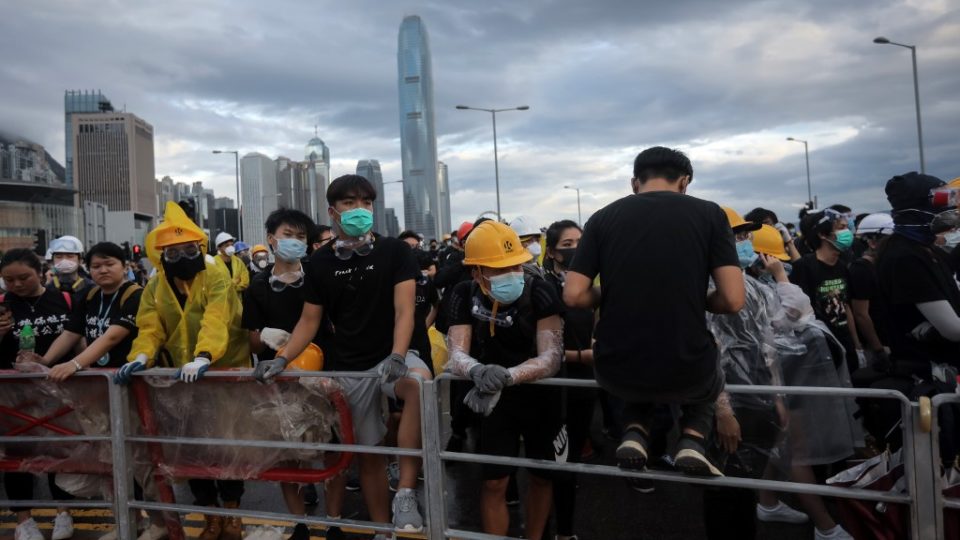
(579, 414)
(19, 487)
(205, 492)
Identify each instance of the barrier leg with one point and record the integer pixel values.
(432, 465)
(122, 462)
(921, 472)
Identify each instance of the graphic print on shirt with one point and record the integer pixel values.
(831, 298)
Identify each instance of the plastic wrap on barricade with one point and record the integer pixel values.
(875, 520)
(290, 410)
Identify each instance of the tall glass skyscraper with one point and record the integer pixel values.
(418, 140)
(317, 156)
(79, 101)
(370, 169)
(443, 185)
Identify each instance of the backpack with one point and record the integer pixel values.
(123, 298)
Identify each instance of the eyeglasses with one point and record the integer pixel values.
(173, 253)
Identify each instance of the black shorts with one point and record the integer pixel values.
(531, 412)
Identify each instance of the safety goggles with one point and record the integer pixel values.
(294, 280)
(832, 216)
(501, 319)
(344, 249)
(173, 254)
(941, 222)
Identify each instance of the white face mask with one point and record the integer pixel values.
(66, 267)
(229, 251)
(534, 249)
(262, 263)
(952, 239)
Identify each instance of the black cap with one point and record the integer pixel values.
(911, 190)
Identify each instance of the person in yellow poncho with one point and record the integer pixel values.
(228, 261)
(189, 318)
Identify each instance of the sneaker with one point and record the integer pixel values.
(632, 452)
(334, 533)
(836, 533)
(406, 516)
(154, 532)
(780, 513)
(301, 532)
(353, 482)
(393, 476)
(691, 460)
(28, 530)
(62, 526)
(310, 496)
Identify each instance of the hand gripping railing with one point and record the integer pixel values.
(916, 449)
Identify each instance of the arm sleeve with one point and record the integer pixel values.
(126, 314)
(943, 317)
(546, 363)
(151, 333)
(458, 346)
(222, 310)
(723, 250)
(587, 259)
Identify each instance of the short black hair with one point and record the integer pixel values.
(812, 226)
(409, 234)
(661, 162)
(555, 230)
(350, 185)
(288, 216)
(22, 255)
(105, 249)
(757, 215)
(840, 208)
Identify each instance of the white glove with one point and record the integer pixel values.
(194, 370)
(784, 232)
(274, 338)
(125, 373)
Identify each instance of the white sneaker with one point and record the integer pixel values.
(153, 532)
(28, 530)
(62, 526)
(836, 533)
(780, 513)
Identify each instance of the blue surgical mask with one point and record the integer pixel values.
(290, 249)
(506, 288)
(356, 222)
(745, 253)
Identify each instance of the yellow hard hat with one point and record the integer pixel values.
(737, 223)
(257, 249)
(767, 240)
(311, 359)
(955, 183)
(494, 245)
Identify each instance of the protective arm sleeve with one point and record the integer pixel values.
(151, 334)
(942, 316)
(458, 350)
(222, 307)
(546, 363)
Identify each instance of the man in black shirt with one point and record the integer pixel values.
(655, 252)
(365, 284)
(868, 310)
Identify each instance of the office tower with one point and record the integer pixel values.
(294, 187)
(393, 224)
(370, 169)
(258, 179)
(317, 156)
(79, 101)
(418, 141)
(222, 202)
(443, 188)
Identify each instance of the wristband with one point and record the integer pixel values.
(77, 365)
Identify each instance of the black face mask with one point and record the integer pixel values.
(567, 255)
(185, 269)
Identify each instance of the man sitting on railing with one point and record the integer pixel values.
(515, 322)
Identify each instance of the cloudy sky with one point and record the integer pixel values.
(725, 81)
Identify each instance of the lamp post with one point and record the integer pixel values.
(916, 92)
(579, 217)
(496, 164)
(236, 163)
(806, 153)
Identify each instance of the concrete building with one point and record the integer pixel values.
(443, 188)
(258, 179)
(418, 140)
(370, 169)
(317, 156)
(79, 101)
(295, 189)
(393, 224)
(113, 165)
(225, 220)
(222, 202)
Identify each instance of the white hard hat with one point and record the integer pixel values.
(525, 226)
(66, 244)
(224, 237)
(880, 223)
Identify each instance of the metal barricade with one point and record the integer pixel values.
(942, 503)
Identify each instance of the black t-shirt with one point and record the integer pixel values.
(265, 308)
(910, 274)
(577, 330)
(654, 253)
(47, 314)
(827, 287)
(427, 297)
(512, 345)
(865, 286)
(357, 297)
(91, 319)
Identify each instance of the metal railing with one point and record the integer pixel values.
(922, 476)
(942, 502)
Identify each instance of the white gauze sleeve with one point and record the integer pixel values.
(459, 361)
(546, 363)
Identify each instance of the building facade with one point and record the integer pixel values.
(317, 157)
(295, 187)
(79, 101)
(258, 180)
(418, 141)
(393, 224)
(443, 188)
(370, 169)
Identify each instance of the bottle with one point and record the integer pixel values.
(28, 340)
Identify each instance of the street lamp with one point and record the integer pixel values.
(579, 217)
(496, 164)
(916, 92)
(806, 153)
(236, 163)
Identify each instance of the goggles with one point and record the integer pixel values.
(832, 216)
(293, 280)
(941, 222)
(344, 249)
(173, 254)
(479, 312)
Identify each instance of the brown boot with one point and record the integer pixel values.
(233, 525)
(213, 529)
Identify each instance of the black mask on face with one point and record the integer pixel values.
(185, 268)
(567, 255)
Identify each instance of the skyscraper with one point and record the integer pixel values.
(258, 178)
(370, 169)
(79, 101)
(317, 156)
(443, 188)
(418, 141)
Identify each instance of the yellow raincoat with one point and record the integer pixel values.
(171, 336)
(241, 277)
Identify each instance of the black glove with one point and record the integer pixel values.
(490, 378)
(266, 370)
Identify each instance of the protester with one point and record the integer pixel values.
(868, 310)
(530, 235)
(189, 318)
(66, 255)
(655, 252)
(768, 217)
(44, 310)
(365, 284)
(259, 260)
(228, 261)
(243, 252)
(320, 236)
